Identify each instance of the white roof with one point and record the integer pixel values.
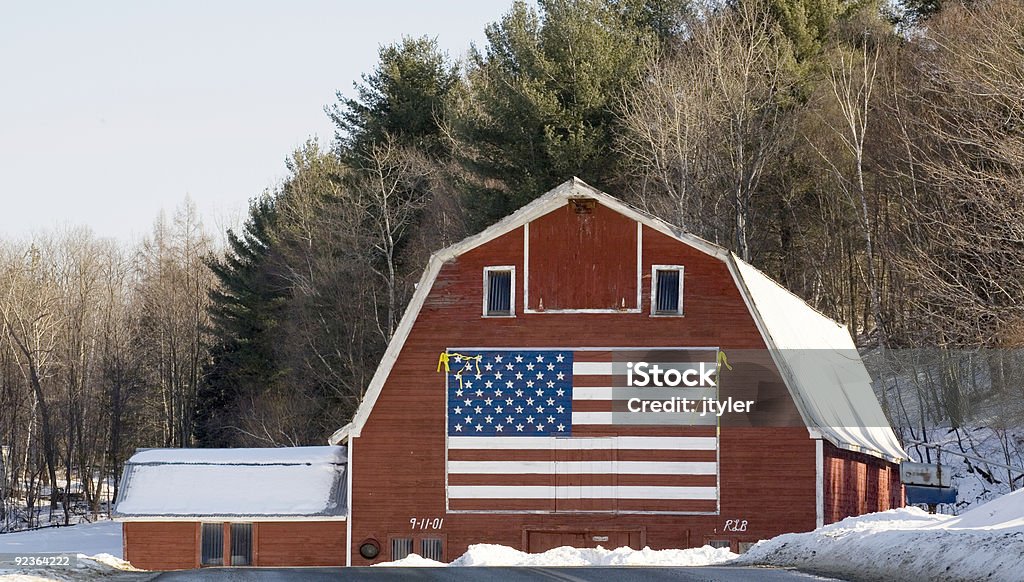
(277, 483)
(834, 389)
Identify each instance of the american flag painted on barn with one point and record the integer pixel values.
(532, 430)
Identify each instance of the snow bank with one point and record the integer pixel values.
(494, 555)
(986, 543)
(97, 545)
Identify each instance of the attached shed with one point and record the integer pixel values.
(188, 508)
(496, 414)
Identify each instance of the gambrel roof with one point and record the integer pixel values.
(815, 355)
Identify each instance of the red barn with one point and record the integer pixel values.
(509, 406)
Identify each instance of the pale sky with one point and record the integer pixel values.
(113, 110)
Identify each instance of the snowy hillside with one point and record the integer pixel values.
(97, 546)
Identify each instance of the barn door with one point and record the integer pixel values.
(586, 475)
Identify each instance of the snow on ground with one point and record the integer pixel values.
(986, 543)
(494, 555)
(97, 546)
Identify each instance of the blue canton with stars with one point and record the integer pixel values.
(510, 393)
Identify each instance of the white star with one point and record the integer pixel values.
(519, 375)
(561, 427)
(478, 376)
(551, 401)
(468, 401)
(488, 418)
(498, 392)
(508, 401)
(508, 366)
(529, 367)
(469, 384)
(551, 384)
(509, 420)
(560, 409)
(529, 419)
(479, 393)
(459, 392)
(498, 358)
(498, 375)
(519, 409)
(458, 359)
(519, 393)
(519, 359)
(540, 427)
(478, 410)
(560, 376)
(519, 428)
(540, 410)
(551, 419)
(529, 383)
(488, 384)
(498, 409)
(488, 367)
(469, 420)
(540, 392)
(479, 428)
(540, 358)
(540, 375)
(458, 428)
(560, 392)
(551, 367)
(559, 358)
(487, 401)
(529, 401)
(498, 428)
(508, 384)
(457, 410)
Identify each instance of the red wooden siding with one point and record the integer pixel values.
(767, 475)
(582, 261)
(174, 545)
(856, 483)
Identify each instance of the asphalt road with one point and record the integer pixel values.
(602, 574)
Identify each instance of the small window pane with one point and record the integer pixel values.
(667, 294)
(400, 548)
(499, 293)
(431, 549)
(720, 544)
(241, 544)
(213, 544)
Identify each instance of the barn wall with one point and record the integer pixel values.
(767, 474)
(174, 545)
(161, 545)
(313, 543)
(856, 483)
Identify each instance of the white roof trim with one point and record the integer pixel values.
(552, 200)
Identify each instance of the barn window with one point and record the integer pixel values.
(212, 544)
(667, 290)
(241, 544)
(720, 544)
(400, 548)
(432, 549)
(499, 291)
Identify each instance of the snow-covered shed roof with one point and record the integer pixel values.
(815, 355)
(254, 484)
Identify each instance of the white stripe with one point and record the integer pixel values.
(644, 418)
(584, 467)
(584, 368)
(585, 443)
(574, 492)
(622, 393)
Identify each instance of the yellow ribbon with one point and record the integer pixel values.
(723, 360)
(470, 361)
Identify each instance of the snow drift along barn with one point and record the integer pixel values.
(495, 415)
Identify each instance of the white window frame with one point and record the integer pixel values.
(512, 290)
(654, 290)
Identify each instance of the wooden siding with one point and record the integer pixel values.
(582, 261)
(161, 545)
(174, 545)
(856, 483)
(767, 475)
